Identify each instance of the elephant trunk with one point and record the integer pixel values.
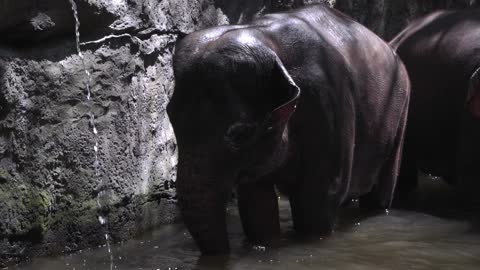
(202, 204)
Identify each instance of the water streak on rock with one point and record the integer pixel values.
(102, 220)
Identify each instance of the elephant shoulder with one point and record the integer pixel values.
(433, 28)
(415, 28)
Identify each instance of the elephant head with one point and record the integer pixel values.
(232, 100)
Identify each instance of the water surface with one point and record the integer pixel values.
(438, 231)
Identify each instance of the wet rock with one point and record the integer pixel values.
(48, 182)
(24, 21)
(243, 11)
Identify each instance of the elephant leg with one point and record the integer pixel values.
(258, 207)
(407, 181)
(313, 211)
(383, 192)
(322, 182)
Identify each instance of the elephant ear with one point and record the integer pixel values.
(286, 96)
(284, 93)
(473, 94)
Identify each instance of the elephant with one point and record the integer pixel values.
(441, 52)
(307, 102)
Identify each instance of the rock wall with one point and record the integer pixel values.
(49, 184)
(49, 187)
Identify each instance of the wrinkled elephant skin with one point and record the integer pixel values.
(307, 101)
(441, 52)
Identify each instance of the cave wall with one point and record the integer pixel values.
(48, 182)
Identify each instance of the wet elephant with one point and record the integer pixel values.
(308, 101)
(441, 52)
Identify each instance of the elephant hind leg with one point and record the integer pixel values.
(383, 192)
(258, 207)
(380, 197)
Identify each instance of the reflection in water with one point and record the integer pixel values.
(435, 236)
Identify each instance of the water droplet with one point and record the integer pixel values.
(95, 130)
(101, 219)
(259, 248)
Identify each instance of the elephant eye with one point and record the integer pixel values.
(239, 135)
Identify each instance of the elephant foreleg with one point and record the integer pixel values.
(258, 207)
(313, 211)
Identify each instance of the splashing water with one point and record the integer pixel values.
(102, 220)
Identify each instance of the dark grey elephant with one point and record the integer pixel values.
(308, 101)
(441, 52)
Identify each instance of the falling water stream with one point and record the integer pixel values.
(88, 82)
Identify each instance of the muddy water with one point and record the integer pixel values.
(441, 234)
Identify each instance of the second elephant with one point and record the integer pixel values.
(442, 54)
